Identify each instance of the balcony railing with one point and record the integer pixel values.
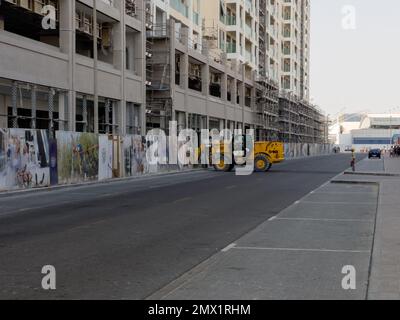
(249, 6)
(180, 7)
(230, 20)
(248, 56)
(248, 30)
(230, 47)
(196, 18)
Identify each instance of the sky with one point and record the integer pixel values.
(355, 69)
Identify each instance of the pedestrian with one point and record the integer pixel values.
(353, 160)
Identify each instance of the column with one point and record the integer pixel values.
(33, 106)
(67, 46)
(62, 111)
(51, 110)
(14, 96)
(84, 114)
(95, 78)
(107, 115)
(172, 40)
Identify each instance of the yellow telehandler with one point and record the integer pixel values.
(266, 153)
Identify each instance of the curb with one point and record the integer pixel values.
(354, 182)
(379, 174)
(4, 194)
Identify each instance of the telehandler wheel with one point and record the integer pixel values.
(222, 166)
(269, 167)
(261, 163)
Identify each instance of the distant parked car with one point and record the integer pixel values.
(375, 153)
(348, 149)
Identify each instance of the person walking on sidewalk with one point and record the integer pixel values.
(353, 160)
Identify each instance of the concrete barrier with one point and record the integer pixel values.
(302, 150)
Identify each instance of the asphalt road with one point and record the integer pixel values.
(128, 239)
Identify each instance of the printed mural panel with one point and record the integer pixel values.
(77, 157)
(134, 156)
(24, 159)
(105, 157)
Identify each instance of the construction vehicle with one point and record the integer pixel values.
(266, 153)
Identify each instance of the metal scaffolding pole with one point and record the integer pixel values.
(34, 106)
(95, 66)
(84, 114)
(51, 110)
(14, 93)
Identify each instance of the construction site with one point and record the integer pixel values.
(125, 67)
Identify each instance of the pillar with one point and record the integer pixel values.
(84, 114)
(33, 106)
(67, 46)
(95, 71)
(51, 110)
(62, 111)
(107, 115)
(14, 97)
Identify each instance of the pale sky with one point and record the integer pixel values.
(355, 69)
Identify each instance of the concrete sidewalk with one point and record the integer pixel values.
(299, 254)
(391, 165)
(385, 268)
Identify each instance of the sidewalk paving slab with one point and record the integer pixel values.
(392, 165)
(298, 254)
(385, 271)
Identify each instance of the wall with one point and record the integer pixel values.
(301, 150)
(29, 159)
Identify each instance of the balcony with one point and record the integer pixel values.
(249, 6)
(179, 6)
(248, 30)
(196, 18)
(248, 56)
(230, 47)
(230, 20)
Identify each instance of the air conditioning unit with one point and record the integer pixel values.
(87, 25)
(26, 4)
(38, 6)
(78, 21)
(99, 29)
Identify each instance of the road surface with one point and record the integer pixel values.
(128, 239)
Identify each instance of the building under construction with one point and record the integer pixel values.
(300, 121)
(127, 66)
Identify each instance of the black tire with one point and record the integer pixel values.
(222, 167)
(261, 163)
(269, 167)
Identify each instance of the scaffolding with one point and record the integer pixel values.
(158, 75)
(266, 109)
(131, 8)
(30, 106)
(289, 118)
(300, 121)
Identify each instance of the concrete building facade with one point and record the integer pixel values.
(86, 74)
(127, 66)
